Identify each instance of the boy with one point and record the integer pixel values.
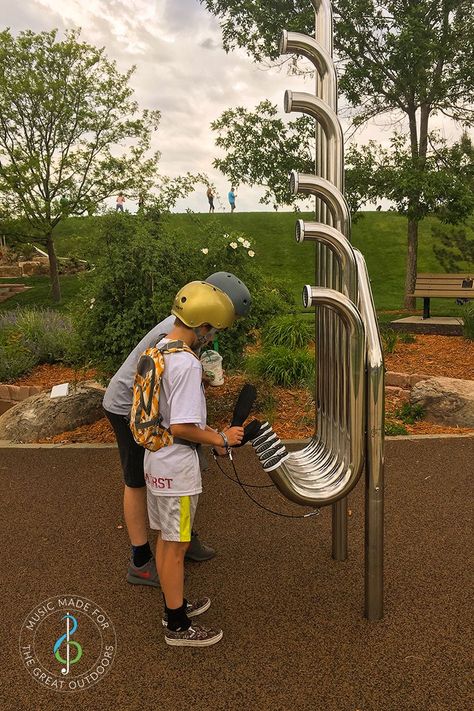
(117, 404)
(172, 473)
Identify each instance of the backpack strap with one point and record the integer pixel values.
(175, 347)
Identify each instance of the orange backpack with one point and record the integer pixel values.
(145, 418)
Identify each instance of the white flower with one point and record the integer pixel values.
(91, 306)
(205, 250)
(234, 245)
(246, 244)
(240, 239)
(93, 300)
(225, 234)
(251, 253)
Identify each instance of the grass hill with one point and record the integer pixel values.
(381, 237)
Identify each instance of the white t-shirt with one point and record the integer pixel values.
(174, 470)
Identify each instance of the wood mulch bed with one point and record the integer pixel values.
(292, 411)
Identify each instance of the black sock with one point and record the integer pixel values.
(141, 554)
(178, 621)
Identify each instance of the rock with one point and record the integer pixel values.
(400, 393)
(33, 268)
(397, 380)
(446, 400)
(10, 271)
(39, 416)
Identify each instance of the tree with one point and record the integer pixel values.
(454, 249)
(71, 134)
(262, 150)
(444, 186)
(406, 59)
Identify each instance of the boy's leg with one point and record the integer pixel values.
(174, 516)
(170, 561)
(142, 569)
(134, 509)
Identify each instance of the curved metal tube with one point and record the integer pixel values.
(309, 184)
(327, 118)
(340, 246)
(297, 43)
(291, 478)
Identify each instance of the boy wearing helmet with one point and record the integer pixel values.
(172, 473)
(117, 404)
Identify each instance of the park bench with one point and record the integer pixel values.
(443, 286)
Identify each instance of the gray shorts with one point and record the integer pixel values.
(172, 515)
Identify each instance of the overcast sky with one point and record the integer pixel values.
(182, 70)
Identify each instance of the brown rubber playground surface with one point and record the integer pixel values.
(294, 634)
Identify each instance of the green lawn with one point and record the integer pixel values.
(381, 237)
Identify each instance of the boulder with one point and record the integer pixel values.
(446, 400)
(10, 271)
(33, 268)
(41, 416)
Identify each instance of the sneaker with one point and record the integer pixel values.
(193, 609)
(275, 461)
(199, 551)
(144, 575)
(194, 636)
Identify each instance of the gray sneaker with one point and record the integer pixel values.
(198, 550)
(193, 609)
(144, 575)
(194, 636)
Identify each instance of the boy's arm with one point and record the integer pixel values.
(208, 436)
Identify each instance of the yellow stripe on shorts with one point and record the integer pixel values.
(184, 518)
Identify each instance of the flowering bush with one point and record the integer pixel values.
(141, 269)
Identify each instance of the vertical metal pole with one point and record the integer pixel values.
(374, 459)
(327, 322)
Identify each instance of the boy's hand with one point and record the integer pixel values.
(234, 435)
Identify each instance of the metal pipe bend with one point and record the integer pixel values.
(338, 480)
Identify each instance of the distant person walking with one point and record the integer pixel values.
(119, 203)
(231, 196)
(210, 197)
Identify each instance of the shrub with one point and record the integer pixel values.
(282, 366)
(15, 359)
(467, 315)
(409, 413)
(291, 331)
(44, 333)
(394, 428)
(143, 265)
(405, 337)
(389, 340)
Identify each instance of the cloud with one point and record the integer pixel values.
(209, 43)
(181, 69)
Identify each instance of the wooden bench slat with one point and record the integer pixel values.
(445, 284)
(466, 275)
(465, 294)
(441, 281)
(443, 287)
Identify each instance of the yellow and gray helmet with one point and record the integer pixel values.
(199, 303)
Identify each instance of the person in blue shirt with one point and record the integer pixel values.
(232, 197)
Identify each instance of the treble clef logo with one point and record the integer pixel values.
(69, 642)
